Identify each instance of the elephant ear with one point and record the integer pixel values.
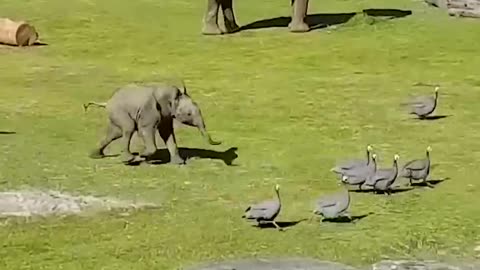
(183, 88)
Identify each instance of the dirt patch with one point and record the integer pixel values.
(27, 203)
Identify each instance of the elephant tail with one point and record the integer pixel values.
(98, 104)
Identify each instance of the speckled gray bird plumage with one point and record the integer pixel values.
(334, 205)
(417, 169)
(423, 106)
(265, 211)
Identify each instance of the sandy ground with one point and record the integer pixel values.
(27, 203)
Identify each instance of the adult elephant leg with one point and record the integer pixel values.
(299, 12)
(229, 16)
(113, 133)
(210, 19)
(166, 132)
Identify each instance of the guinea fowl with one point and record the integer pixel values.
(349, 165)
(383, 179)
(358, 175)
(333, 206)
(417, 169)
(423, 106)
(265, 211)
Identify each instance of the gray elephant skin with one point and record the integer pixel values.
(146, 108)
(210, 19)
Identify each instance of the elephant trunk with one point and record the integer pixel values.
(203, 131)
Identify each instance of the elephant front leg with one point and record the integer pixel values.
(299, 12)
(210, 19)
(166, 132)
(229, 16)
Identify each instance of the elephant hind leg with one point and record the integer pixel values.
(229, 16)
(128, 127)
(299, 12)
(113, 133)
(210, 19)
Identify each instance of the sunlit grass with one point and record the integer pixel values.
(293, 104)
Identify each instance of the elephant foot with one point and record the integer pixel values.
(298, 27)
(177, 160)
(211, 29)
(231, 27)
(96, 154)
(127, 158)
(147, 154)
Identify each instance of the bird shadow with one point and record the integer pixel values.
(281, 224)
(162, 156)
(322, 20)
(433, 117)
(392, 191)
(429, 183)
(7, 132)
(345, 219)
(111, 155)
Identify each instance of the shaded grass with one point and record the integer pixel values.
(293, 104)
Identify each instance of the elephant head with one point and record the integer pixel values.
(187, 112)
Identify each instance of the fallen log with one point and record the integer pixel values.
(17, 33)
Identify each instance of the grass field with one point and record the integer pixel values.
(293, 104)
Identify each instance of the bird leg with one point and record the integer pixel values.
(427, 183)
(311, 218)
(347, 215)
(276, 225)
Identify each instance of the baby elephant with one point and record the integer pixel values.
(146, 108)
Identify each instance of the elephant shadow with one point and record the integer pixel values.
(162, 156)
(322, 20)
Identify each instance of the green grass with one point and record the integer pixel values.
(293, 104)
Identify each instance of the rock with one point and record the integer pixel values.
(311, 264)
(274, 264)
(414, 265)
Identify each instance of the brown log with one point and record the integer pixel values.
(17, 33)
